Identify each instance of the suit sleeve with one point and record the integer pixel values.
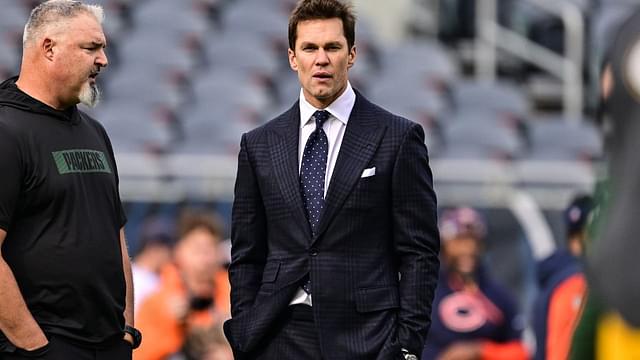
(416, 238)
(248, 236)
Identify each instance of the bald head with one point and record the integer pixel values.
(51, 16)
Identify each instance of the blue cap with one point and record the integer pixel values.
(576, 216)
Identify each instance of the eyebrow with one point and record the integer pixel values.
(98, 43)
(330, 43)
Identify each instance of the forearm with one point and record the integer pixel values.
(126, 266)
(16, 321)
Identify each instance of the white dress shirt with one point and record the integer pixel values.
(334, 127)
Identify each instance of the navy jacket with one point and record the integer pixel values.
(374, 260)
(552, 271)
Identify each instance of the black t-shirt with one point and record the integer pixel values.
(60, 207)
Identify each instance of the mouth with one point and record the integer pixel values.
(322, 76)
(93, 76)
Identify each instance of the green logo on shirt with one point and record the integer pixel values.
(81, 161)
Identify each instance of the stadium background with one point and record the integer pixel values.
(506, 91)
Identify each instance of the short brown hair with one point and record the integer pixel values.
(191, 220)
(323, 9)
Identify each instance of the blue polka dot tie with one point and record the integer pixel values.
(313, 170)
(312, 175)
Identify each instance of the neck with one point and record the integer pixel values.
(33, 84)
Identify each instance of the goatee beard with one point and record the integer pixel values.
(90, 95)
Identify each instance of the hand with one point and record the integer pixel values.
(33, 343)
(465, 350)
(128, 338)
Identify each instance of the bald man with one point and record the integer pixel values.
(65, 278)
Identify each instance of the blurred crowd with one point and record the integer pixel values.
(182, 291)
(181, 288)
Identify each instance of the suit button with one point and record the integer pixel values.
(313, 252)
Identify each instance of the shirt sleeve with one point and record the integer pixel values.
(11, 172)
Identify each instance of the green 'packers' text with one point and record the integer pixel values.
(81, 161)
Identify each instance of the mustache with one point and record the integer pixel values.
(95, 71)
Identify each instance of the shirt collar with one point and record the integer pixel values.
(340, 108)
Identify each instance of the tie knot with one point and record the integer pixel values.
(320, 116)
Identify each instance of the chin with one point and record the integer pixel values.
(89, 95)
(323, 95)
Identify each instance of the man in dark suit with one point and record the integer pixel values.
(334, 236)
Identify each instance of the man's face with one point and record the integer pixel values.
(461, 254)
(322, 59)
(77, 58)
(196, 255)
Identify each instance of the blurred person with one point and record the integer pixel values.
(205, 344)
(194, 289)
(65, 277)
(334, 235)
(562, 286)
(616, 281)
(474, 317)
(609, 325)
(156, 246)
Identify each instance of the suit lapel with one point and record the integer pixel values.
(283, 146)
(361, 139)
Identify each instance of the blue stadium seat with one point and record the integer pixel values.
(558, 139)
(500, 97)
(478, 135)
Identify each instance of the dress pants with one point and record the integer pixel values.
(294, 337)
(61, 349)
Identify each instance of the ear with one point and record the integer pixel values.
(292, 60)
(352, 57)
(47, 47)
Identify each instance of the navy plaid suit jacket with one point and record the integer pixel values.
(374, 260)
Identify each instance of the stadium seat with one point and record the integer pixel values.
(244, 52)
(146, 86)
(182, 16)
(421, 58)
(13, 17)
(477, 135)
(141, 48)
(232, 88)
(500, 97)
(558, 139)
(135, 127)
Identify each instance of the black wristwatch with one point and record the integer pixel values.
(406, 355)
(135, 334)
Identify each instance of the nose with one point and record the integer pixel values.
(102, 60)
(321, 57)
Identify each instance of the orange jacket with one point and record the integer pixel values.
(564, 312)
(163, 332)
